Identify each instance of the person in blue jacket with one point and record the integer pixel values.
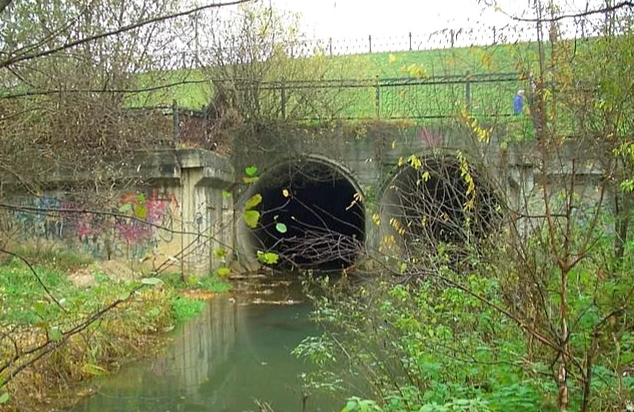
(518, 102)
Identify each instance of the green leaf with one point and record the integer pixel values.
(141, 198)
(4, 398)
(40, 308)
(249, 180)
(223, 272)
(268, 258)
(55, 334)
(251, 171)
(251, 218)
(220, 252)
(280, 227)
(140, 211)
(151, 281)
(253, 202)
(226, 195)
(350, 406)
(125, 208)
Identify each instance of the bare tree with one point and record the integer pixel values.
(69, 71)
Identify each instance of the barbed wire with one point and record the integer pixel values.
(447, 38)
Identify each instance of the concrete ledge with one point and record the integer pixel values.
(217, 171)
(169, 164)
(158, 164)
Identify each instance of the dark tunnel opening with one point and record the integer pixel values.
(321, 213)
(439, 203)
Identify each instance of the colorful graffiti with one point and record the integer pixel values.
(130, 228)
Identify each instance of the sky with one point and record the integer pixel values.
(358, 18)
(349, 22)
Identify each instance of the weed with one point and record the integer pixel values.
(211, 283)
(214, 284)
(54, 258)
(184, 308)
(32, 316)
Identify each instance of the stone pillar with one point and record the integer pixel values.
(207, 218)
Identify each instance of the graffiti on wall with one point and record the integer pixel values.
(131, 227)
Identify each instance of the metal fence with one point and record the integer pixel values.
(487, 96)
(437, 97)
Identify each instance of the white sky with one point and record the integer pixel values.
(349, 22)
(358, 18)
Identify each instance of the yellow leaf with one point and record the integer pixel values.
(251, 218)
(286, 193)
(392, 58)
(253, 202)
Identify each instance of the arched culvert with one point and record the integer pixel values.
(441, 200)
(321, 211)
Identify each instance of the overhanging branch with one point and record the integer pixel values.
(618, 6)
(124, 29)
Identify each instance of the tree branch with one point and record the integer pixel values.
(4, 4)
(129, 27)
(39, 279)
(618, 6)
(113, 91)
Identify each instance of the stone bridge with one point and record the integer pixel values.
(328, 193)
(349, 188)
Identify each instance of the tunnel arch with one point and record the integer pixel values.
(423, 206)
(323, 212)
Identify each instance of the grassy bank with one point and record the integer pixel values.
(32, 317)
(190, 88)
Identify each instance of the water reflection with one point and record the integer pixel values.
(233, 353)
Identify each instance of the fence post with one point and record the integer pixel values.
(467, 90)
(176, 126)
(330, 45)
(494, 35)
(370, 42)
(410, 41)
(283, 97)
(453, 37)
(377, 99)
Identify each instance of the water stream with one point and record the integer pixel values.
(236, 351)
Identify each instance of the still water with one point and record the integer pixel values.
(236, 351)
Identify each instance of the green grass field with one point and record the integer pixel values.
(435, 95)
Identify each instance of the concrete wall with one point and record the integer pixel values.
(178, 217)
